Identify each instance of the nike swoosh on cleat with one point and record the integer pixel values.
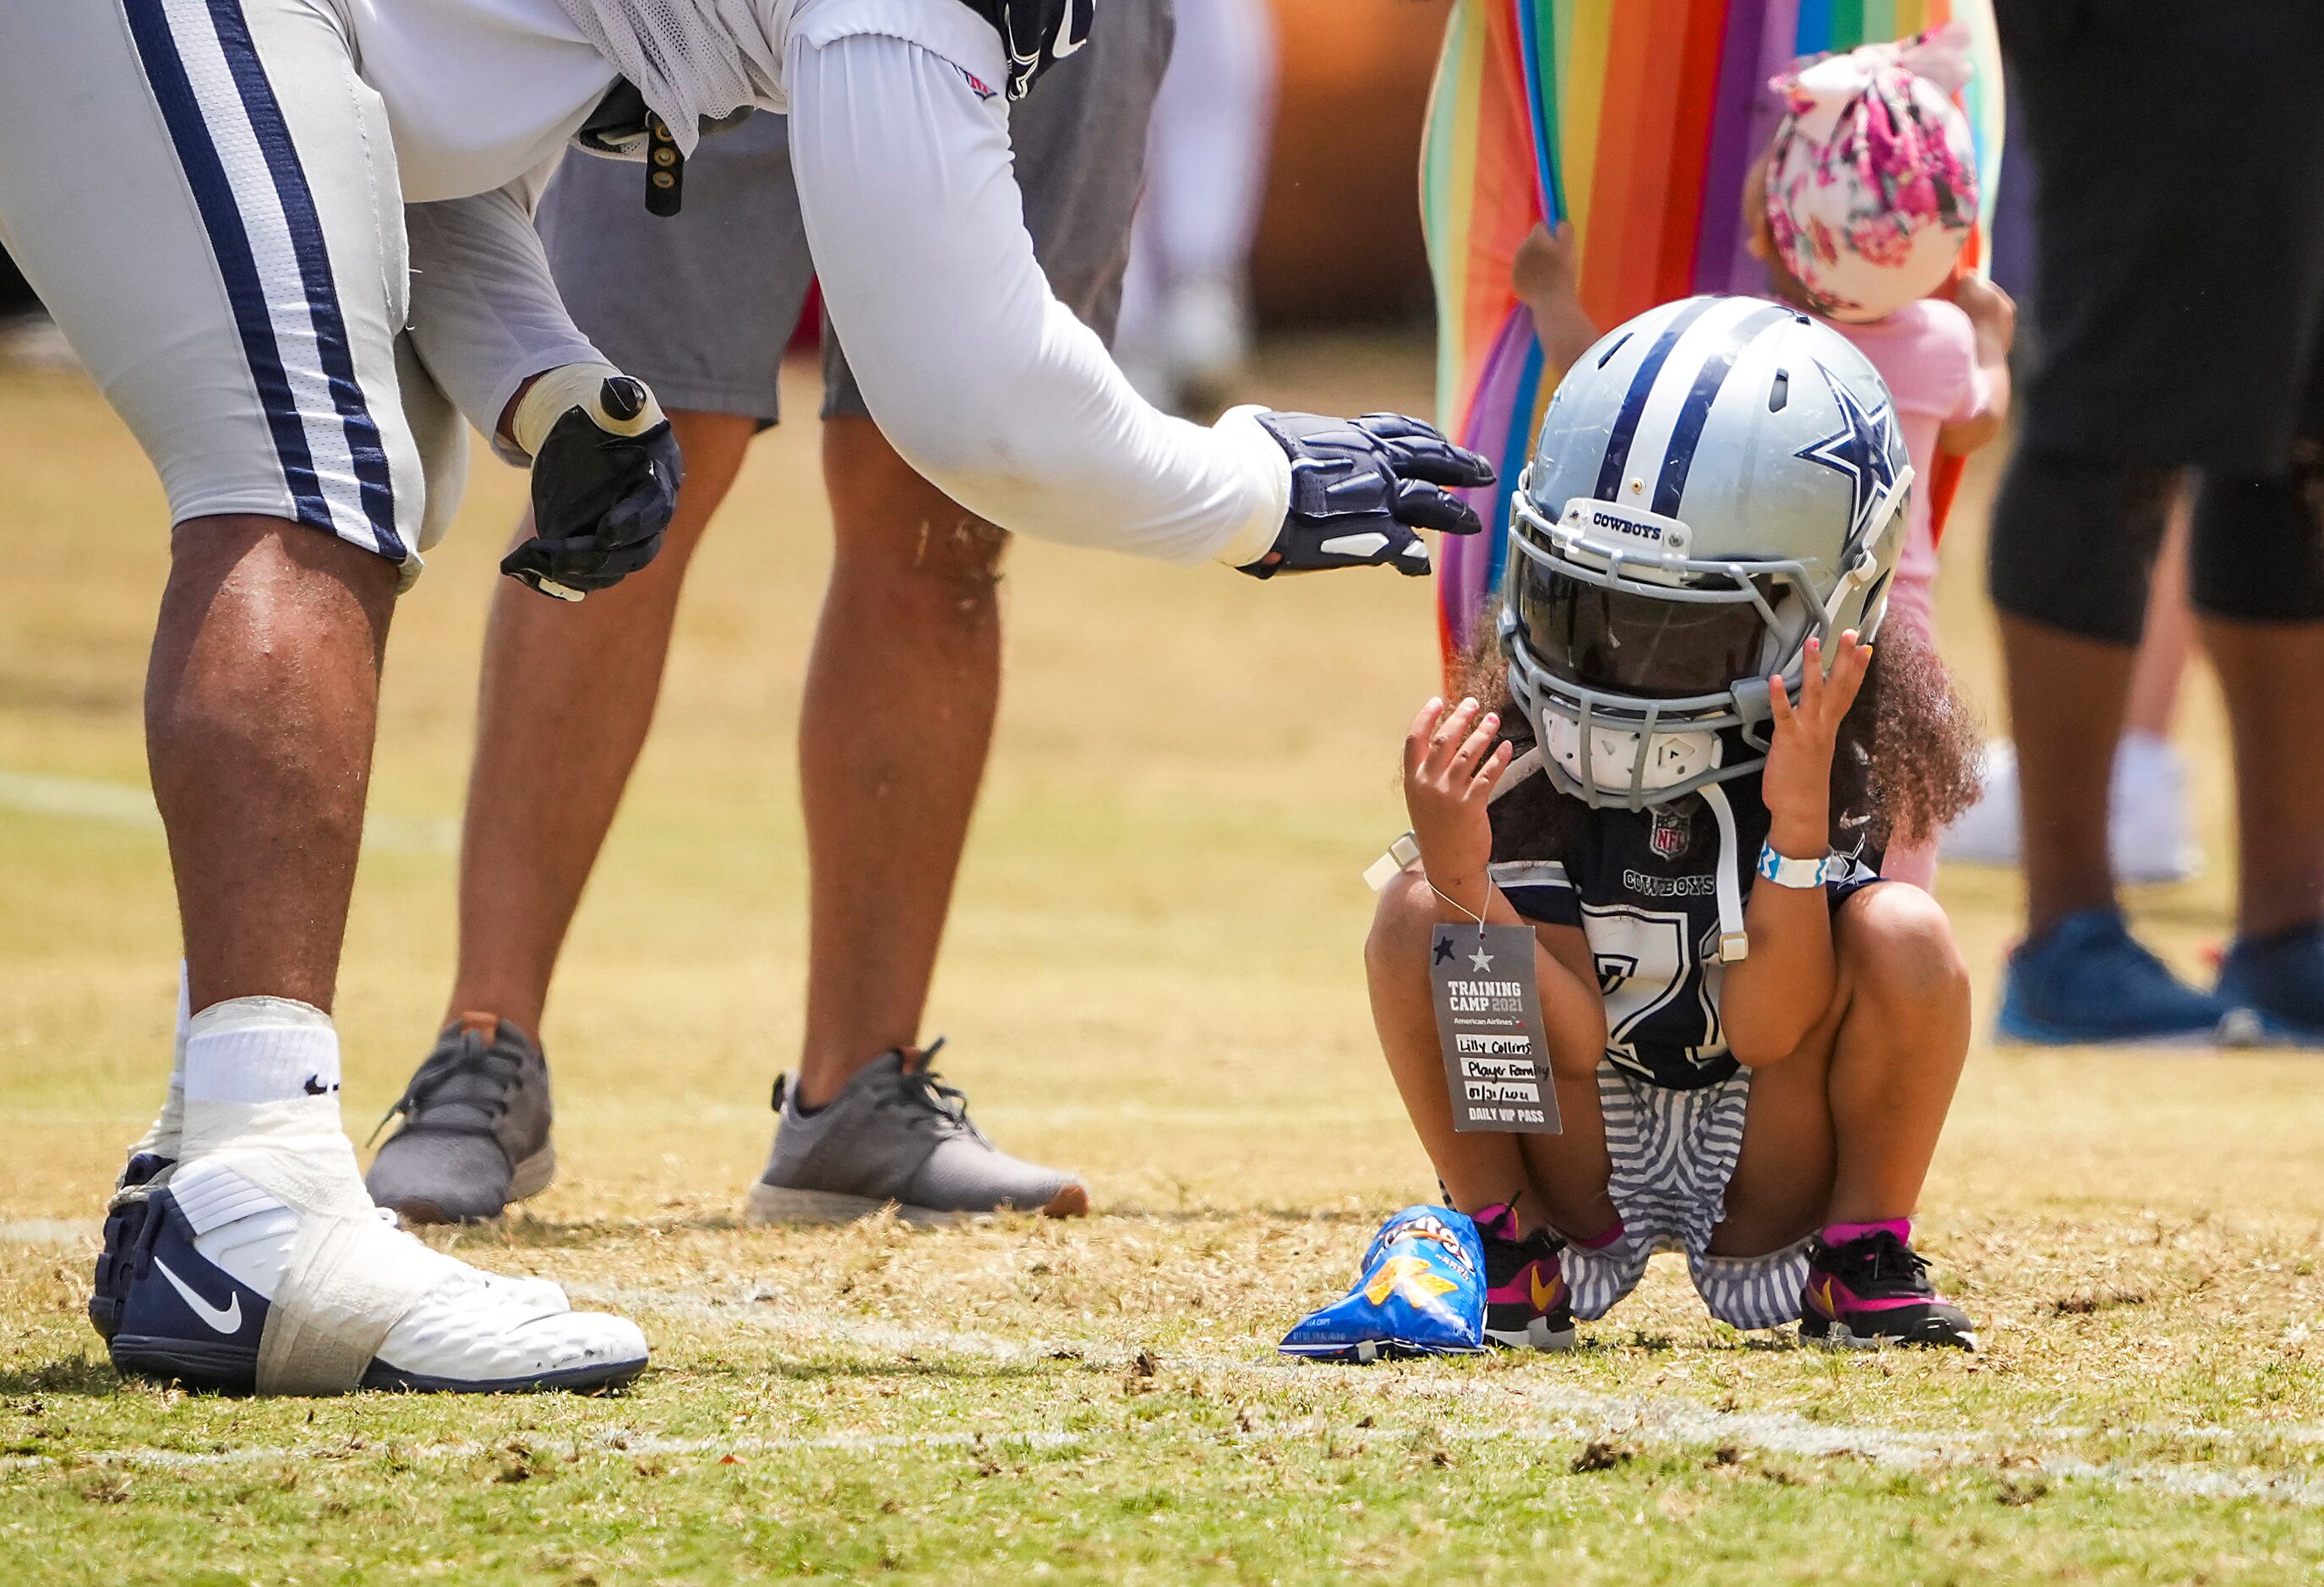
(226, 1319)
(1546, 1296)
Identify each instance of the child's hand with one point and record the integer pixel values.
(1992, 314)
(1993, 323)
(1546, 266)
(1797, 782)
(1547, 279)
(1449, 767)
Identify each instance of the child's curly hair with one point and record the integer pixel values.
(1905, 765)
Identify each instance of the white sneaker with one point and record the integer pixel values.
(226, 1284)
(2149, 838)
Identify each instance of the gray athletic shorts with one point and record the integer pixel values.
(702, 305)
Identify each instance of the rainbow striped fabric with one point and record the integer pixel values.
(1636, 120)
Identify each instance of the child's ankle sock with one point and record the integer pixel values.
(1842, 1234)
(1609, 1235)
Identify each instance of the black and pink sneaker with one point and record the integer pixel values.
(1874, 1290)
(1527, 1303)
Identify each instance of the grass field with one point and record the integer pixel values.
(1152, 975)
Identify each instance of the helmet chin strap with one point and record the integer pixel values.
(1734, 944)
(1523, 767)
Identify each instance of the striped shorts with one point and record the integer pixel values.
(1673, 1152)
(205, 196)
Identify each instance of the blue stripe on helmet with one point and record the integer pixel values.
(1633, 401)
(1670, 485)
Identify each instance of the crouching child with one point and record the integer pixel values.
(1679, 764)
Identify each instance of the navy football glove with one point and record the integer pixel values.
(605, 472)
(1362, 489)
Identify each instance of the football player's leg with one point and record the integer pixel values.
(902, 687)
(702, 306)
(234, 282)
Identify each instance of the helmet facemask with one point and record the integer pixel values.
(1643, 672)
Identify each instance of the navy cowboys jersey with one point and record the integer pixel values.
(1641, 884)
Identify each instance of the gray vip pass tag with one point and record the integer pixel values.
(1488, 1020)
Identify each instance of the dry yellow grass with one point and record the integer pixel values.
(1153, 976)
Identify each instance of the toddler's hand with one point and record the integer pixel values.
(1449, 767)
(1546, 267)
(1797, 782)
(1991, 314)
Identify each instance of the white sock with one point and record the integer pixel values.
(262, 1070)
(165, 1137)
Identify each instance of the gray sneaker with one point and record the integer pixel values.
(476, 1127)
(897, 1136)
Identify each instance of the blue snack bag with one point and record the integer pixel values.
(1422, 1293)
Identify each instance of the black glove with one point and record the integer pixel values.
(605, 472)
(1037, 33)
(1363, 488)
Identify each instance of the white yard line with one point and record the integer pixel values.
(1562, 1412)
(1551, 1412)
(613, 1442)
(126, 804)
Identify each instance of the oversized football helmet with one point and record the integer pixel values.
(1717, 481)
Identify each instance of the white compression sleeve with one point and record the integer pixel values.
(978, 376)
(485, 312)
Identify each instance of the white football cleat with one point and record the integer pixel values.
(222, 1283)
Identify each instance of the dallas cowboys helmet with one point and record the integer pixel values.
(1717, 481)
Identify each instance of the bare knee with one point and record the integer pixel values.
(1397, 944)
(903, 546)
(1895, 944)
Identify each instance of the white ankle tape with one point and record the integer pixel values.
(351, 1279)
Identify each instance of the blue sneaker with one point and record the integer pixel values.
(2086, 981)
(2280, 978)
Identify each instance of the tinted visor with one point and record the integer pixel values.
(1625, 643)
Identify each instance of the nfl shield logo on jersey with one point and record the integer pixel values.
(1672, 832)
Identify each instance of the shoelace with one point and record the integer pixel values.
(488, 1070)
(921, 1091)
(1891, 1260)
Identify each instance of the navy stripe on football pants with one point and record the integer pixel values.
(236, 147)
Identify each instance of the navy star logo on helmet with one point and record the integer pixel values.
(1859, 449)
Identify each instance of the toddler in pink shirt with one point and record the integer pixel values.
(1861, 209)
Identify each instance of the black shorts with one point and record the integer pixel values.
(2179, 150)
